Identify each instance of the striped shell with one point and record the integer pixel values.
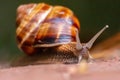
(43, 24)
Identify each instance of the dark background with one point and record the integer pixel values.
(93, 15)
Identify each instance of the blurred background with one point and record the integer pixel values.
(93, 15)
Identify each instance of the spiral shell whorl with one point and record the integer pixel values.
(44, 24)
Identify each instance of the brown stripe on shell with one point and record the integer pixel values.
(60, 12)
(26, 19)
(27, 35)
(55, 32)
(35, 21)
(30, 40)
(22, 11)
(58, 27)
(75, 22)
(30, 18)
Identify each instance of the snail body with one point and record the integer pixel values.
(42, 27)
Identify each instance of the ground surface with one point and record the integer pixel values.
(105, 70)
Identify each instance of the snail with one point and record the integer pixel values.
(43, 29)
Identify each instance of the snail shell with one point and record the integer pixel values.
(42, 24)
(45, 30)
